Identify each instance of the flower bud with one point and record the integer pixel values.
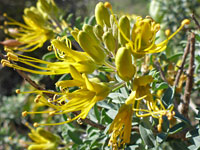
(32, 14)
(74, 33)
(89, 29)
(98, 31)
(123, 61)
(109, 41)
(47, 135)
(124, 25)
(91, 47)
(46, 146)
(102, 15)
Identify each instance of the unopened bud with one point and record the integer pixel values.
(124, 25)
(109, 41)
(91, 48)
(98, 31)
(47, 135)
(102, 15)
(123, 61)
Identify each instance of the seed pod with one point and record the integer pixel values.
(124, 25)
(123, 61)
(102, 15)
(91, 47)
(98, 31)
(109, 41)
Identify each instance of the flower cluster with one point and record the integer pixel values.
(113, 45)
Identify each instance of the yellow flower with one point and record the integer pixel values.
(143, 35)
(143, 103)
(121, 127)
(40, 24)
(90, 92)
(140, 90)
(43, 139)
(34, 33)
(80, 60)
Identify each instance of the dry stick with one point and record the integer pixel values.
(180, 71)
(158, 67)
(196, 21)
(183, 108)
(35, 85)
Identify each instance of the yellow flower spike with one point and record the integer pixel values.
(102, 15)
(124, 25)
(123, 62)
(109, 41)
(121, 127)
(93, 49)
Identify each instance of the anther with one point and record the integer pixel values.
(107, 5)
(49, 48)
(12, 56)
(185, 21)
(159, 127)
(18, 91)
(157, 27)
(52, 113)
(4, 14)
(79, 121)
(35, 124)
(24, 114)
(167, 32)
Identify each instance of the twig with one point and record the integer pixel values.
(196, 21)
(184, 105)
(158, 67)
(180, 70)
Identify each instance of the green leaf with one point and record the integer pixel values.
(96, 112)
(197, 37)
(49, 55)
(175, 57)
(92, 20)
(161, 86)
(168, 96)
(181, 117)
(178, 127)
(75, 136)
(146, 133)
